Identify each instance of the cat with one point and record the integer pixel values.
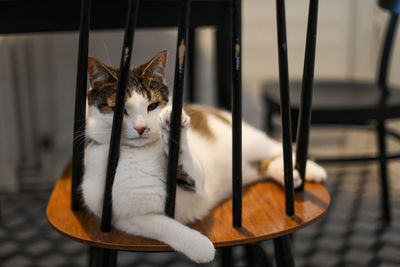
(204, 170)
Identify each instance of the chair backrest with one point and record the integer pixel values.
(393, 6)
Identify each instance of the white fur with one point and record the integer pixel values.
(138, 194)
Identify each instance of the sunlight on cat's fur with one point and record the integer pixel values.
(204, 172)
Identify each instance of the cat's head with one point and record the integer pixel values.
(146, 95)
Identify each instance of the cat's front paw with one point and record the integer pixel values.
(201, 250)
(165, 126)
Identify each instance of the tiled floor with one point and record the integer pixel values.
(349, 235)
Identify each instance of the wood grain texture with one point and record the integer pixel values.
(263, 218)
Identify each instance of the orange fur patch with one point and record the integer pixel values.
(198, 118)
(198, 121)
(262, 166)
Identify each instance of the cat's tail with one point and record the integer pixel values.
(194, 245)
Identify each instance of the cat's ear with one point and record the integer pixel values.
(99, 74)
(155, 68)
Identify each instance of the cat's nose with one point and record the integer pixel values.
(140, 130)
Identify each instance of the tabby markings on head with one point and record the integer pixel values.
(147, 80)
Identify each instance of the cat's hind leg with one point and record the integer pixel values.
(264, 154)
(273, 168)
(193, 244)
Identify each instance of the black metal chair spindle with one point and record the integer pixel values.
(176, 115)
(237, 113)
(306, 92)
(283, 252)
(285, 106)
(113, 154)
(78, 149)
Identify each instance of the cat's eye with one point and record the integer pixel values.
(152, 106)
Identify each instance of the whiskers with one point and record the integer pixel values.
(80, 137)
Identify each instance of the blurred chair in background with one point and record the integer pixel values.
(351, 102)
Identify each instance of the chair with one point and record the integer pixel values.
(352, 103)
(256, 214)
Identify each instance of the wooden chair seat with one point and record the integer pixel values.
(263, 218)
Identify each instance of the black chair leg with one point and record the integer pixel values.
(250, 255)
(102, 257)
(256, 256)
(91, 256)
(227, 257)
(283, 252)
(385, 197)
